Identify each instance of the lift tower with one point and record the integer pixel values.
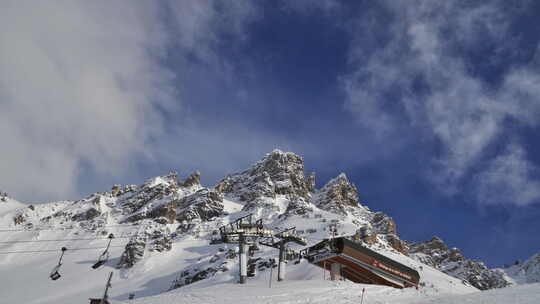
(243, 231)
(279, 241)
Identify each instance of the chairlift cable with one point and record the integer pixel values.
(66, 228)
(85, 248)
(80, 228)
(56, 250)
(60, 240)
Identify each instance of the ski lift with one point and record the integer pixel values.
(54, 273)
(104, 256)
(299, 260)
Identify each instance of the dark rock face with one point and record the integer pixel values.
(203, 205)
(395, 242)
(451, 261)
(3, 196)
(383, 224)
(204, 269)
(298, 206)
(151, 190)
(150, 236)
(337, 195)
(382, 227)
(277, 173)
(87, 215)
(160, 241)
(19, 219)
(193, 180)
(163, 214)
(133, 253)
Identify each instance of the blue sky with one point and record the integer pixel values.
(432, 108)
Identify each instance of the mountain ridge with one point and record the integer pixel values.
(165, 211)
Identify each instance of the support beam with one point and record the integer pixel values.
(281, 267)
(243, 258)
(335, 271)
(105, 298)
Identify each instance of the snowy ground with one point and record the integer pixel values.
(322, 292)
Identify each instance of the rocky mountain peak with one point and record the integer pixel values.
(285, 169)
(170, 179)
(193, 180)
(435, 244)
(278, 173)
(337, 195)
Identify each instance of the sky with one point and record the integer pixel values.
(432, 108)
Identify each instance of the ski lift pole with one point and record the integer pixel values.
(362, 299)
(105, 294)
(270, 281)
(111, 237)
(242, 258)
(324, 271)
(61, 256)
(281, 265)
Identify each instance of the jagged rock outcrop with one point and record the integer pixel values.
(3, 196)
(202, 205)
(150, 236)
(133, 253)
(193, 180)
(154, 189)
(337, 196)
(298, 206)
(383, 223)
(451, 261)
(203, 269)
(381, 227)
(277, 173)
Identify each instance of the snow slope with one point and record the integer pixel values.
(328, 292)
(526, 272)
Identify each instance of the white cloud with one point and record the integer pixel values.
(452, 105)
(508, 180)
(81, 84)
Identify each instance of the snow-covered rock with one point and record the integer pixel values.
(525, 272)
(277, 173)
(337, 196)
(435, 253)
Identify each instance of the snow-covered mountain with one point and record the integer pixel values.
(163, 231)
(523, 273)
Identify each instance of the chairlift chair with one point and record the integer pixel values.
(55, 275)
(105, 255)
